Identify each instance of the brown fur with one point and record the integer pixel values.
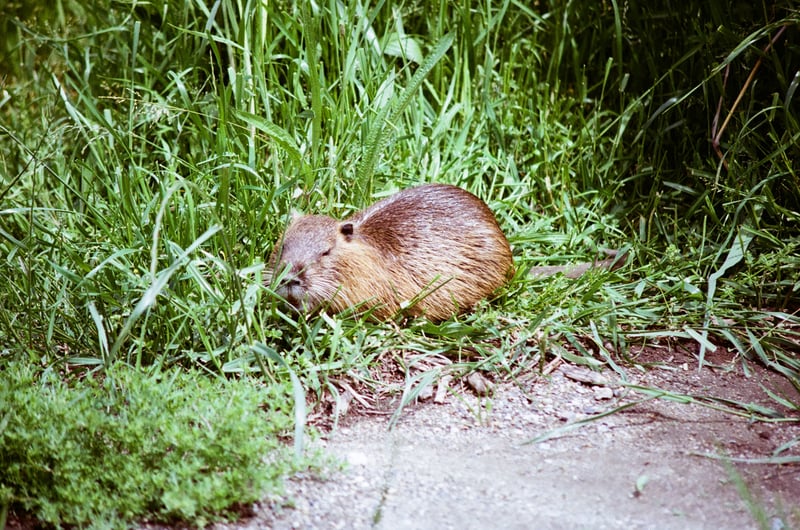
(436, 241)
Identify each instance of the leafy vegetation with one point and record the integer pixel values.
(150, 154)
(172, 443)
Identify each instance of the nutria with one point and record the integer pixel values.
(434, 250)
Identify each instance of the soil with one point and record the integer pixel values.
(697, 458)
(469, 461)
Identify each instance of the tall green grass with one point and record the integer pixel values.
(150, 155)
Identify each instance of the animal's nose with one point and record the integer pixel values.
(292, 275)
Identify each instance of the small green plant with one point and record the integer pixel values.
(127, 445)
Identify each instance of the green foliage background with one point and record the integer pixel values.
(150, 153)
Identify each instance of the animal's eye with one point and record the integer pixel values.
(326, 253)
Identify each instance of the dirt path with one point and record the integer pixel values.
(465, 464)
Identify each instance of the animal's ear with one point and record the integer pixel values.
(346, 229)
(295, 215)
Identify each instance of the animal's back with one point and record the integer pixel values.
(441, 238)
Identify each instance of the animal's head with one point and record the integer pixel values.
(307, 261)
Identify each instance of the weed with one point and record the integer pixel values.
(163, 445)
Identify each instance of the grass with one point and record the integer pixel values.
(151, 153)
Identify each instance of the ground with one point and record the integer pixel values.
(468, 462)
